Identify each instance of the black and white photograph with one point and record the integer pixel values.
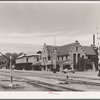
(50, 47)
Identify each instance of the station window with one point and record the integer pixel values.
(66, 57)
(27, 59)
(37, 59)
(83, 56)
(58, 58)
(40, 57)
(76, 48)
(43, 58)
(78, 57)
(62, 57)
(48, 57)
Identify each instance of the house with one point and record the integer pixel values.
(28, 62)
(70, 55)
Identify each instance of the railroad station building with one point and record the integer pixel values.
(72, 55)
(28, 62)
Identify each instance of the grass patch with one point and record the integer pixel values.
(15, 86)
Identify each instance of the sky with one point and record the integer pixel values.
(25, 27)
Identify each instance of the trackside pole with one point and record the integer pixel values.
(99, 62)
(98, 45)
(55, 59)
(11, 76)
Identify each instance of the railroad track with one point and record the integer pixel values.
(73, 81)
(54, 87)
(48, 86)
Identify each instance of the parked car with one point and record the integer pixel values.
(66, 70)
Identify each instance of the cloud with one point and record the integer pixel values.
(13, 47)
(46, 18)
(37, 23)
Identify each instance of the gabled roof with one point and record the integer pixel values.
(61, 50)
(64, 50)
(89, 50)
(28, 55)
(21, 56)
(49, 48)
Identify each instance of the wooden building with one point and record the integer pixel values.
(28, 62)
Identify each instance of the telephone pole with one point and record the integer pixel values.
(98, 46)
(54, 55)
(11, 75)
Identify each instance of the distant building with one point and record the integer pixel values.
(28, 62)
(70, 55)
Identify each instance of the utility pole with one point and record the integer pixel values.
(55, 58)
(46, 63)
(11, 76)
(98, 46)
(54, 55)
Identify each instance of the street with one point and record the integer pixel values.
(49, 81)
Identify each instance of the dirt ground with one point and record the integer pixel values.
(19, 86)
